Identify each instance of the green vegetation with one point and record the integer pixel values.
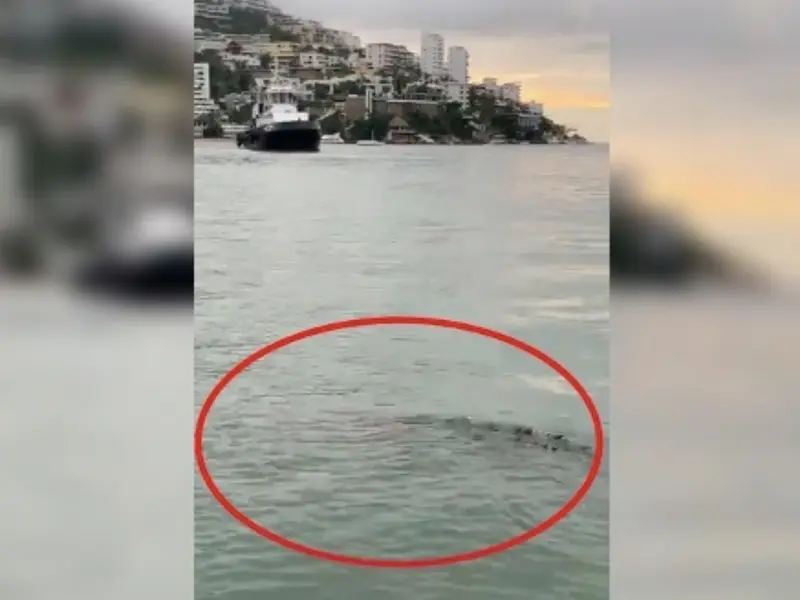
(212, 128)
(321, 92)
(350, 87)
(506, 124)
(224, 80)
(247, 22)
(365, 129)
(449, 122)
(241, 114)
(333, 124)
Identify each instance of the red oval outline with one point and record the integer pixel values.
(399, 563)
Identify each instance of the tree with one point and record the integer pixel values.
(456, 122)
(223, 80)
(281, 35)
(321, 91)
(487, 107)
(549, 127)
(212, 128)
(332, 124)
(350, 87)
(234, 48)
(243, 81)
(266, 61)
(241, 114)
(506, 124)
(246, 21)
(376, 126)
(472, 97)
(422, 122)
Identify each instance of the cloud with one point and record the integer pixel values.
(597, 44)
(543, 18)
(686, 34)
(705, 100)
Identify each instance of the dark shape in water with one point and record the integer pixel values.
(131, 262)
(648, 246)
(480, 430)
(291, 136)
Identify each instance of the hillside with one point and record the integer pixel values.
(245, 21)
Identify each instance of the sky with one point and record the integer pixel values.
(710, 119)
(557, 49)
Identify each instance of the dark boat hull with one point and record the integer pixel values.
(296, 136)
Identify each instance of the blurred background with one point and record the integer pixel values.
(95, 236)
(704, 224)
(96, 281)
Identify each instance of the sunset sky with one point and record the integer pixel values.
(710, 121)
(557, 49)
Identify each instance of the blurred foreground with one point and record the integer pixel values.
(704, 505)
(652, 246)
(95, 152)
(95, 202)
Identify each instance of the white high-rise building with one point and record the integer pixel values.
(458, 64)
(431, 55)
(382, 56)
(511, 91)
(202, 83)
(203, 103)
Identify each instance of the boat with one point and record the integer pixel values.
(278, 125)
(333, 138)
(370, 142)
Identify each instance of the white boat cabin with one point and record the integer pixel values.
(278, 103)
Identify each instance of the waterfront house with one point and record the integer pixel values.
(400, 132)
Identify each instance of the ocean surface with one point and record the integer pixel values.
(313, 442)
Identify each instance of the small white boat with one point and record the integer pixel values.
(333, 138)
(370, 142)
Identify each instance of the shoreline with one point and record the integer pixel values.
(232, 138)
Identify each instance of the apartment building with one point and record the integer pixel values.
(202, 82)
(458, 64)
(382, 56)
(203, 103)
(318, 60)
(458, 92)
(511, 92)
(535, 108)
(281, 49)
(490, 86)
(348, 40)
(206, 40)
(431, 55)
(240, 61)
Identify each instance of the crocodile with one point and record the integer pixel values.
(479, 430)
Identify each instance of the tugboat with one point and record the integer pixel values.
(278, 125)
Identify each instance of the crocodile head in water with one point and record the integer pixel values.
(482, 430)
